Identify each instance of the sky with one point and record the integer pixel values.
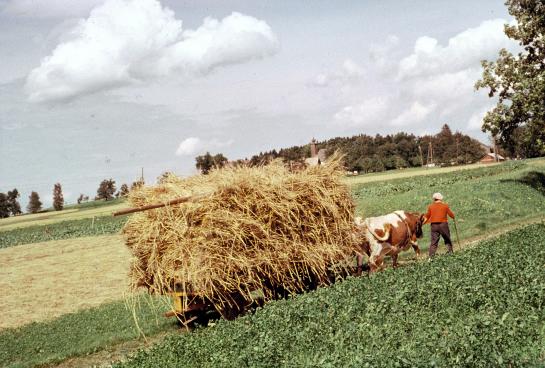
(94, 89)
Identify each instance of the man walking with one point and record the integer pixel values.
(437, 217)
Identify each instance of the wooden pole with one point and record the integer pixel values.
(157, 205)
(495, 148)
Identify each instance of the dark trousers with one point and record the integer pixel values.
(439, 229)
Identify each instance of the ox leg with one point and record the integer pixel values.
(378, 252)
(416, 248)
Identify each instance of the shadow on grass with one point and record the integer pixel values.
(533, 179)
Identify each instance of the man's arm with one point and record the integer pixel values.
(450, 213)
(427, 215)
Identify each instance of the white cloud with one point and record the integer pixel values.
(194, 145)
(368, 112)
(48, 8)
(464, 50)
(125, 42)
(414, 114)
(350, 72)
(381, 54)
(475, 122)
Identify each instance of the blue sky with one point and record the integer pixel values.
(93, 89)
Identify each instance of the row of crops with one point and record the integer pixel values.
(482, 307)
(62, 230)
(483, 199)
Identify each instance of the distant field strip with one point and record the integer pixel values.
(45, 280)
(409, 173)
(482, 307)
(76, 212)
(62, 230)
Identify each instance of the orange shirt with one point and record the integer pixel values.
(437, 212)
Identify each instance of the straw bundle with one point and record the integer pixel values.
(251, 229)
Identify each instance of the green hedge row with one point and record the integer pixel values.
(482, 307)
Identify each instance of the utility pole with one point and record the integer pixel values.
(495, 148)
(429, 160)
(142, 176)
(457, 150)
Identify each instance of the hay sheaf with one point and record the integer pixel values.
(249, 229)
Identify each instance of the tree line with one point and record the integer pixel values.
(365, 153)
(107, 190)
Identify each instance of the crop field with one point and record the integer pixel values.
(484, 200)
(410, 173)
(483, 307)
(62, 230)
(76, 271)
(72, 212)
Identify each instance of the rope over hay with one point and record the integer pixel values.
(250, 229)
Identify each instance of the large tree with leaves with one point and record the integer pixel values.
(106, 189)
(518, 81)
(207, 162)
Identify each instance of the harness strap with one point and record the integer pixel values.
(409, 234)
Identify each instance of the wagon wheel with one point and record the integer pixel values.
(236, 307)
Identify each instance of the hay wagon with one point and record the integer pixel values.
(247, 236)
(190, 309)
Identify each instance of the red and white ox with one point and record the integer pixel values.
(388, 235)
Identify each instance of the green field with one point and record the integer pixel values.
(482, 307)
(62, 230)
(79, 333)
(72, 212)
(486, 200)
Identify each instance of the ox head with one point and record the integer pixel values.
(419, 222)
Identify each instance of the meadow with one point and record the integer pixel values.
(487, 201)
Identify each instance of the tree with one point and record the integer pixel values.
(207, 162)
(34, 203)
(124, 190)
(106, 189)
(4, 206)
(80, 198)
(137, 184)
(163, 177)
(13, 203)
(518, 81)
(58, 199)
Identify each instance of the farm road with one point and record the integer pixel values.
(42, 281)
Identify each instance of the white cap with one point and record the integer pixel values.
(438, 196)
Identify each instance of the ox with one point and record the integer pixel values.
(388, 235)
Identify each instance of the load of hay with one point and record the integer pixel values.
(247, 229)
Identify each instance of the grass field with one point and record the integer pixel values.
(73, 212)
(486, 200)
(69, 229)
(410, 173)
(481, 308)
(60, 277)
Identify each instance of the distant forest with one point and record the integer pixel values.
(364, 153)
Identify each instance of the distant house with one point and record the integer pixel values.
(317, 157)
(490, 158)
